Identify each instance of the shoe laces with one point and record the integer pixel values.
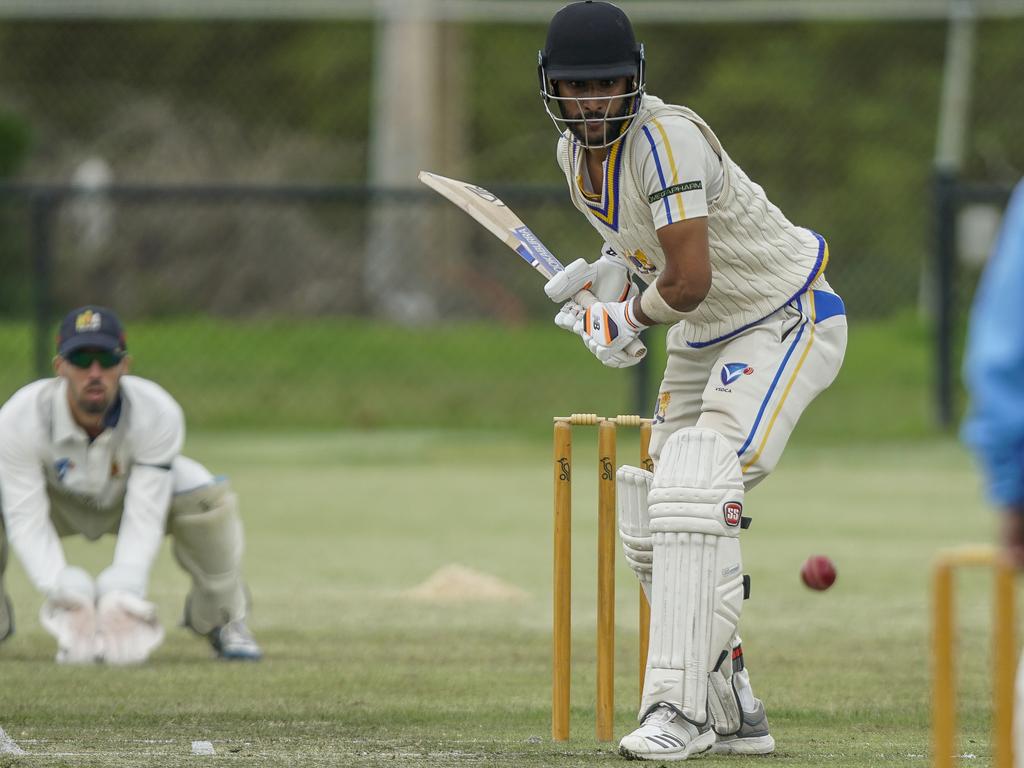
(661, 716)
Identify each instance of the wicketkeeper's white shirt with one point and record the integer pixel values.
(43, 451)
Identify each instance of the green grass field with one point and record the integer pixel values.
(329, 374)
(341, 524)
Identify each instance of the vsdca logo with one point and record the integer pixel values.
(732, 371)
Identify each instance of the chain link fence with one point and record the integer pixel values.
(223, 195)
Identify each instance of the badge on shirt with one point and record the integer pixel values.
(641, 263)
(661, 409)
(61, 466)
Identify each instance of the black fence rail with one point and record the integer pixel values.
(404, 258)
(280, 254)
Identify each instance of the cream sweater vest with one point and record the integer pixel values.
(759, 259)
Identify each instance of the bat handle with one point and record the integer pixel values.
(635, 348)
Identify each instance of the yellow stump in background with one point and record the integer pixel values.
(606, 536)
(606, 546)
(1004, 654)
(562, 650)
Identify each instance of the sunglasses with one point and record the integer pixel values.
(84, 358)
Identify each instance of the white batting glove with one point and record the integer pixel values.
(128, 627)
(615, 359)
(607, 278)
(568, 315)
(607, 327)
(568, 318)
(613, 281)
(69, 614)
(574, 278)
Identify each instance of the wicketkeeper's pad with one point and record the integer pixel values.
(208, 543)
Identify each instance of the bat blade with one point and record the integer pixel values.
(497, 218)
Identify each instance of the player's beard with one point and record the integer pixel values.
(97, 406)
(612, 125)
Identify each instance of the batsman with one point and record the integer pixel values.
(755, 334)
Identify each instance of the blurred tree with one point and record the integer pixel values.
(836, 120)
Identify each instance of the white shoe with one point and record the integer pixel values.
(665, 735)
(752, 738)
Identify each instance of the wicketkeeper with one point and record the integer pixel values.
(96, 451)
(756, 333)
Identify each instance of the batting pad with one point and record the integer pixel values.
(723, 699)
(208, 543)
(695, 508)
(632, 485)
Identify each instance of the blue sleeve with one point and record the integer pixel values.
(994, 363)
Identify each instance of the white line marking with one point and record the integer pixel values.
(202, 748)
(7, 745)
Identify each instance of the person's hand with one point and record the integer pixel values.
(568, 318)
(609, 281)
(607, 278)
(1013, 535)
(576, 277)
(608, 327)
(69, 614)
(128, 628)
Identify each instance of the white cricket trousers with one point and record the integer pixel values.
(752, 387)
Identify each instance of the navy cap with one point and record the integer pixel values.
(90, 327)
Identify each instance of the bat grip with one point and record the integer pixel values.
(635, 348)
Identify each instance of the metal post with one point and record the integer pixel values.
(42, 207)
(945, 207)
(950, 144)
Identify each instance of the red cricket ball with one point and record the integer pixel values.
(818, 572)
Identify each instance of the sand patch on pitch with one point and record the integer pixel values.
(454, 582)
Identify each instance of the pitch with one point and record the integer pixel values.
(340, 527)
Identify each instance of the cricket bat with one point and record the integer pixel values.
(498, 219)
